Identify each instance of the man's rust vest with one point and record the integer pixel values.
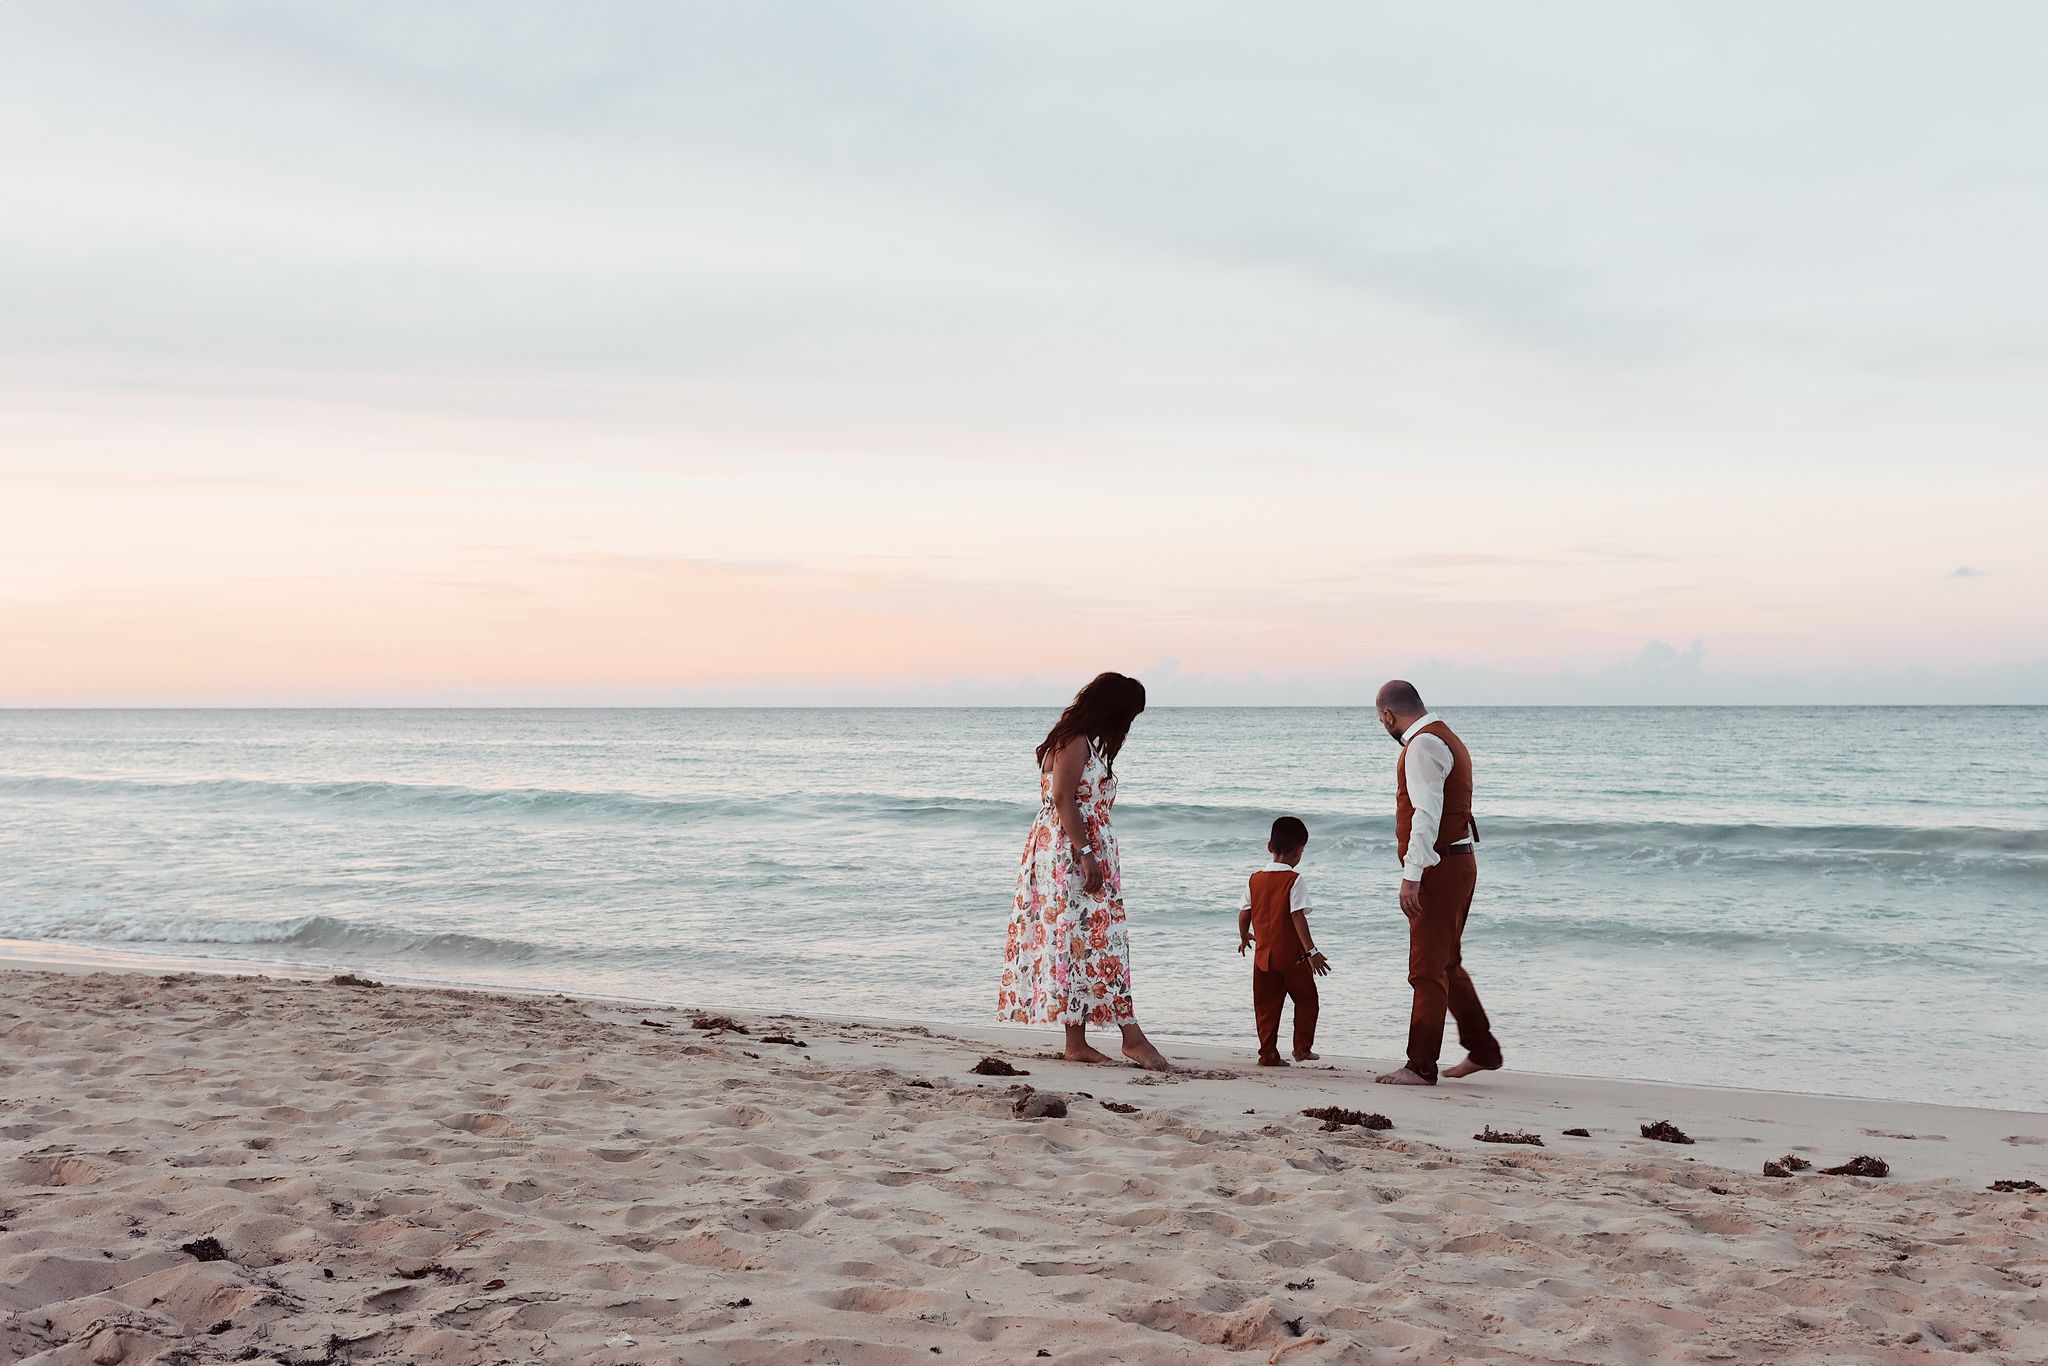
(1457, 821)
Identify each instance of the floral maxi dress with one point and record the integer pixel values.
(1067, 959)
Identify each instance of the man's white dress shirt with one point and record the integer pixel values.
(1425, 762)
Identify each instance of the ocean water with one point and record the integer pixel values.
(1844, 900)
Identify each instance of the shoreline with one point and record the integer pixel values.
(60, 956)
(384, 1173)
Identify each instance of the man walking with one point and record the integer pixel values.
(1439, 870)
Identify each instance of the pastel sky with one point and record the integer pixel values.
(494, 351)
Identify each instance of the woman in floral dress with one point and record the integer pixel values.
(1068, 957)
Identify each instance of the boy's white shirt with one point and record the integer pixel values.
(1297, 895)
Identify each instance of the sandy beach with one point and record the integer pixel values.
(205, 1168)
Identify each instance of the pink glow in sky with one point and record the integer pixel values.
(646, 354)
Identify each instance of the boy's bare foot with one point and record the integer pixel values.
(1468, 1067)
(1272, 1062)
(1085, 1053)
(1403, 1077)
(1300, 1056)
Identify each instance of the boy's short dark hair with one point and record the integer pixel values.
(1289, 834)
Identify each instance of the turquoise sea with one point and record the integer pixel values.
(1849, 900)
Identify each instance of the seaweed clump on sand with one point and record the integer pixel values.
(1117, 1107)
(1578, 1133)
(1664, 1131)
(996, 1067)
(718, 1024)
(2018, 1188)
(1336, 1117)
(349, 979)
(1786, 1165)
(1865, 1165)
(1492, 1135)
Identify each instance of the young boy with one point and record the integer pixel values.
(1274, 915)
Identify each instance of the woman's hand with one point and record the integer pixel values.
(1093, 875)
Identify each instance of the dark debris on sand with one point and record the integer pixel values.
(349, 979)
(718, 1024)
(655, 1024)
(792, 1041)
(1492, 1135)
(2018, 1188)
(206, 1249)
(1578, 1133)
(1039, 1105)
(1336, 1117)
(1117, 1107)
(1865, 1165)
(1664, 1131)
(447, 1274)
(920, 1083)
(996, 1067)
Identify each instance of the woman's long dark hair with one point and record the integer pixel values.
(1103, 712)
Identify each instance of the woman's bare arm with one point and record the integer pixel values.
(1067, 766)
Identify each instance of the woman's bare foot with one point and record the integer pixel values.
(1085, 1052)
(1468, 1067)
(1272, 1062)
(1403, 1077)
(1307, 1056)
(1139, 1050)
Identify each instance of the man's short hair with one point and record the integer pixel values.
(1399, 695)
(1289, 834)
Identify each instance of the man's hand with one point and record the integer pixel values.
(1411, 898)
(1318, 964)
(1242, 945)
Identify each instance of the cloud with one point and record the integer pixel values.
(1963, 571)
(1453, 559)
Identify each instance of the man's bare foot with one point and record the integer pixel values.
(1147, 1057)
(1403, 1077)
(1301, 1056)
(1272, 1062)
(1085, 1053)
(1468, 1067)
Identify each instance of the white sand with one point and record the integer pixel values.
(406, 1175)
